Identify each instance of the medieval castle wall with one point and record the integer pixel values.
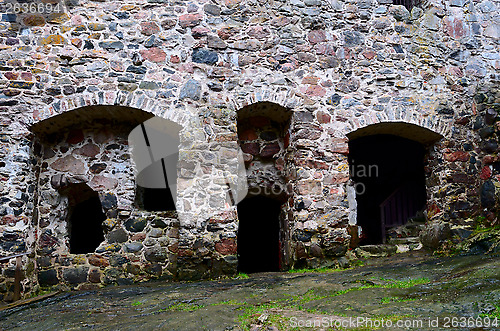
(305, 73)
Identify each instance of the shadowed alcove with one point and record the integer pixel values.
(263, 233)
(258, 234)
(386, 163)
(85, 219)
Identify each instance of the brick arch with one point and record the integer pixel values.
(284, 97)
(434, 123)
(110, 98)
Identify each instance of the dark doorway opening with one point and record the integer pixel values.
(409, 4)
(155, 199)
(258, 234)
(85, 223)
(389, 177)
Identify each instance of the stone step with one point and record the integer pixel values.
(407, 240)
(396, 245)
(381, 250)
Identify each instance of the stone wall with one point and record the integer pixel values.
(137, 243)
(336, 65)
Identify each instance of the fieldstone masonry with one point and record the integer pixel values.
(330, 67)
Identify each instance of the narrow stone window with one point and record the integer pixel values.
(154, 199)
(85, 218)
(409, 4)
(155, 151)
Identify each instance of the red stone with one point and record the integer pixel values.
(11, 75)
(223, 218)
(326, 49)
(47, 240)
(433, 210)
(250, 148)
(95, 276)
(270, 150)
(315, 250)
(98, 261)
(323, 117)
(248, 134)
(289, 66)
(280, 164)
(183, 252)
(308, 134)
(189, 20)
(174, 248)
(456, 71)
(316, 91)
(319, 165)
(456, 156)
(488, 159)
(138, 236)
(258, 32)
(454, 27)
(310, 164)
(226, 246)
(10, 220)
(462, 120)
(227, 32)
(26, 76)
(316, 36)
(485, 173)
(99, 183)
(75, 137)
(337, 178)
(175, 59)
(461, 178)
(154, 54)
(116, 65)
(339, 145)
(149, 28)
(286, 140)
(89, 150)
(279, 21)
(199, 32)
(369, 54)
(313, 80)
(70, 164)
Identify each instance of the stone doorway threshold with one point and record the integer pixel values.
(401, 239)
(394, 246)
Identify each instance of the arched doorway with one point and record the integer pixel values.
(258, 234)
(263, 234)
(386, 163)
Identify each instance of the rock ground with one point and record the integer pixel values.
(409, 286)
